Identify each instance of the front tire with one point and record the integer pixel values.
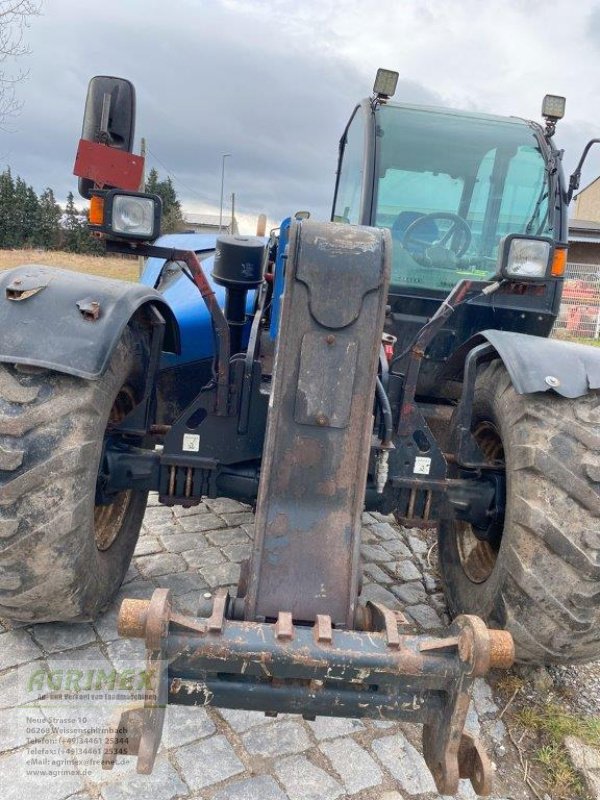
(542, 583)
(61, 556)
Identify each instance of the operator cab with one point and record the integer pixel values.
(449, 185)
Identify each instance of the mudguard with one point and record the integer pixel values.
(536, 364)
(68, 321)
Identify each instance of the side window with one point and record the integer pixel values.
(347, 201)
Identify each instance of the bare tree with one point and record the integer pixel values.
(15, 16)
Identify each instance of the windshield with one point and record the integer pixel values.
(450, 186)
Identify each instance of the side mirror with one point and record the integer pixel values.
(109, 117)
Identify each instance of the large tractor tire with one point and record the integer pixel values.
(542, 582)
(61, 556)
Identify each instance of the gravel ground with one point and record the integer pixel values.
(239, 755)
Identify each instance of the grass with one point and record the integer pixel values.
(538, 733)
(110, 266)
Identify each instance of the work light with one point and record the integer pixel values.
(525, 258)
(385, 83)
(553, 107)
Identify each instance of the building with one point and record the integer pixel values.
(208, 223)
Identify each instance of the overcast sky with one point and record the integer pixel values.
(273, 82)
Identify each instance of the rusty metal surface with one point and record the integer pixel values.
(137, 730)
(314, 469)
(282, 667)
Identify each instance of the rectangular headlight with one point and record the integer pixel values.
(132, 215)
(525, 258)
(125, 215)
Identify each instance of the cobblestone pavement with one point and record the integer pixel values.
(227, 754)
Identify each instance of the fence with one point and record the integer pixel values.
(579, 316)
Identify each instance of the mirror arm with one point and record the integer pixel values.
(104, 136)
(576, 176)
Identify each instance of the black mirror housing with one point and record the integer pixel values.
(109, 117)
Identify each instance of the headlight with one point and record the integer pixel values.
(525, 258)
(133, 215)
(126, 215)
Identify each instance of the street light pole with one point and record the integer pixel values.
(225, 155)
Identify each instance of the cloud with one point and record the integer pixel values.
(273, 83)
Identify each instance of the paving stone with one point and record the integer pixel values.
(238, 518)
(374, 552)
(367, 536)
(56, 779)
(383, 530)
(260, 788)
(185, 724)
(21, 685)
(368, 519)
(391, 796)
(17, 647)
(153, 500)
(55, 636)
(192, 511)
(161, 564)
(207, 762)
(438, 601)
(183, 583)
(202, 522)
(407, 571)
(227, 574)
(354, 765)
(410, 593)
(22, 726)
(405, 763)
(417, 545)
(228, 536)
(158, 514)
(483, 700)
(425, 616)
(375, 573)
(181, 541)
(332, 727)
(305, 781)
(127, 654)
(237, 552)
(163, 783)
(278, 739)
(224, 505)
(376, 593)
(209, 558)
(396, 548)
(432, 584)
(241, 720)
(147, 545)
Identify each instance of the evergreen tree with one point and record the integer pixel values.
(48, 232)
(31, 217)
(172, 218)
(22, 232)
(8, 222)
(73, 227)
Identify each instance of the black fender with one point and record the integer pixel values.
(71, 322)
(536, 364)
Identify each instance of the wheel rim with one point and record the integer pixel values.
(108, 520)
(477, 557)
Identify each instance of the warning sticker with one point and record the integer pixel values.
(191, 443)
(422, 465)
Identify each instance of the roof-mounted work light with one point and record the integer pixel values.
(553, 109)
(385, 84)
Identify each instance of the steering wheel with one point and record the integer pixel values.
(456, 238)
